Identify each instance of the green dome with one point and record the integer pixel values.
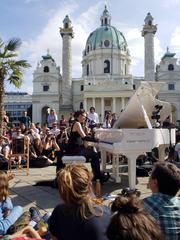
(106, 37)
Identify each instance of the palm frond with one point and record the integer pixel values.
(8, 55)
(23, 64)
(1, 43)
(13, 44)
(16, 80)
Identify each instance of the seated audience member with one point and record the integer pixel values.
(62, 139)
(5, 118)
(131, 222)
(26, 233)
(63, 122)
(55, 130)
(8, 213)
(38, 126)
(23, 128)
(4, 148)
(49, 145)
(44, 130)
(177, 151)
(78, 217)
(71, 118)
(107, 121)
(163, 204)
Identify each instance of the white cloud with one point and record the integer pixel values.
(169, 3)
(175, 38)
(50, 38)
(30, 1)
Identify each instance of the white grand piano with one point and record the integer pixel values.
(134, 132)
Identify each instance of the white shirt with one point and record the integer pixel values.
(55, 131)
(94, 116)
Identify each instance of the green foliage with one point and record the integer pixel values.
(11, 69)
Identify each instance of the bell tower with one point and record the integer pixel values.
(148, 32)
(67, 35)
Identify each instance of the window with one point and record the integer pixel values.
(45, 88)
(81, 105)
(82, 88)
(105, 21)
(87, 69)
(46, 69)
(66, 25)
(171, 86)
(170, 67)
(106, 66)
(106, 43)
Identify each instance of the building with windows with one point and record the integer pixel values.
(106, 82)
(16, 103)
(168, 71)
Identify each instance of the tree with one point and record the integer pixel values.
(11, 69)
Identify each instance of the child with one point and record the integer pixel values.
(8, 213)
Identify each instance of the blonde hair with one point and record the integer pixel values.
(4, 186)
(74, 183)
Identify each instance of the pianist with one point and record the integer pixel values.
(76, 144)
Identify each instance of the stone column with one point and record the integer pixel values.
(85, 104)
(94, 103)
(67, 35)
(148, 33)
(102, 109)
(114, 105)
(122, 103)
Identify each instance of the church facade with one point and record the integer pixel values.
(106, 81)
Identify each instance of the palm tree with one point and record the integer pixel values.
(11, 69)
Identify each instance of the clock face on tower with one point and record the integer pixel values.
(106, 43)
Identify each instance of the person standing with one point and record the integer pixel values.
(52, 118)
(25, 119)
(93, 116)
(163, 204)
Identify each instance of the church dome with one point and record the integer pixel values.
(106, 36)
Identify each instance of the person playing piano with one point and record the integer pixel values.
(76, 145)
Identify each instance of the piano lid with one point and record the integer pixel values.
(138, 112)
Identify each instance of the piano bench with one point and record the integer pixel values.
(73, 159)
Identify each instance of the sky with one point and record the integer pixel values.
(37, 23)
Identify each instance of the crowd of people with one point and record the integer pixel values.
(79, 216)
(128, 217)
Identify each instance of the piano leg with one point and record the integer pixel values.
(161, 151)
(103, 160)
(116, 169)
(132, 156)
